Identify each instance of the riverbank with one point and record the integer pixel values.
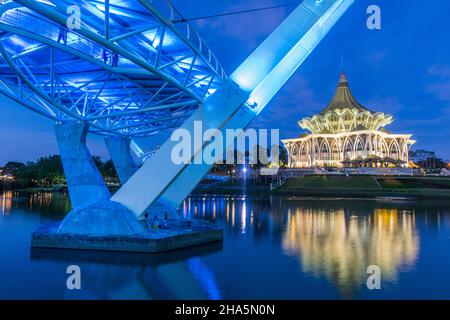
(366, 187)
(62, 188)
(323, 186)
(233, 188)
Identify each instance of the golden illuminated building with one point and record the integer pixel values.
(344, 133)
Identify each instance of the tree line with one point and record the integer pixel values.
(48, 172)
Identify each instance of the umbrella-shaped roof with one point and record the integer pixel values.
(343, 98)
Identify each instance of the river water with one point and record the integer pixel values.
(274, 248)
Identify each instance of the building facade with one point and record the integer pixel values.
(346, 133)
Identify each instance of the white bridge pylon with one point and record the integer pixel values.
(234, 105)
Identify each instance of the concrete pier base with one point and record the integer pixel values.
(117, 258)
(162, 209)
(93, 213)
(175, 234)
(120, 152)
(96, 222)
(102, 218)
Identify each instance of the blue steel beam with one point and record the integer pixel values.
(161, 65)
(255, 82)
(123, 48)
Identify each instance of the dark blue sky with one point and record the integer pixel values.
(402, 69)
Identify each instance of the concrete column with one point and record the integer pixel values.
(93, 213)
(85, 183)
(119, 150)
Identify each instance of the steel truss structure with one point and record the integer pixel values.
(128, 70)
(133, 68)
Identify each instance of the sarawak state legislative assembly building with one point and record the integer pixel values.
(346, 134)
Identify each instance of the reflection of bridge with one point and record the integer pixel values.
(113, 275)
(130, 71)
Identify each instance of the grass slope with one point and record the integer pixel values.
(366, 186)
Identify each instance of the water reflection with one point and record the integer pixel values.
(336, 240)
(6, 202)
(341, 245)
(273, 248)
(45, 203)
(115, 275)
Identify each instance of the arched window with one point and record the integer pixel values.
(348, 149)
(303, 154)
(335, 153)
(325, 153)
(359, 147)
(405, 155)
(316, 151)
(384, 148)
(294, 154)
(394, 150)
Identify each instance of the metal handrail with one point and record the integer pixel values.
(170, 13)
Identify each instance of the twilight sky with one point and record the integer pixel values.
(402, 69)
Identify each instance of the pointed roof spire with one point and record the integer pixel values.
(343, 98)
(343, 78)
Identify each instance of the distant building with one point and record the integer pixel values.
(427, 159)
(346, 133)
(418, 156)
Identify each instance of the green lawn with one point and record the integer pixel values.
(414, 182)
(367, 186)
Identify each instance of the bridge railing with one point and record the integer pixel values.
(28, 21)
(178, 22)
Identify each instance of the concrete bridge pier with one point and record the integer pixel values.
(120, 153)
(93, 213)
(84, 181)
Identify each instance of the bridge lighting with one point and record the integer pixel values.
(47, 2)
(248, 77)
(155, 38)
(18, 41)
(114, 10)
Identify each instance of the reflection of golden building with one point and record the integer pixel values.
(341, 246)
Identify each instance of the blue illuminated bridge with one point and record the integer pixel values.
(128, 71)
(132, 68)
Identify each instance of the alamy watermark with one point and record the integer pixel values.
(374, 280)
(73, 21)
(238, 146)
(374, 19)
(74, 279)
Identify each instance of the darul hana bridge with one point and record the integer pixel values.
(133, 68)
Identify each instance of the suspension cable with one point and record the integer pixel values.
(234, 13)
